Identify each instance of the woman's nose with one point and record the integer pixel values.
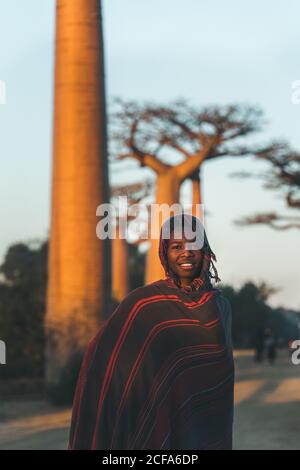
(188, 250)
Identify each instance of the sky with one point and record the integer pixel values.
(207, 51)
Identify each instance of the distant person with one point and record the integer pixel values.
(270, 345)
(258, 343)
(159, 374)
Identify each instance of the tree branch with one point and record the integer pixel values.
(186, 168)
(271, 219)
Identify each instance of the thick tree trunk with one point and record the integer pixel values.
(120, 266)
(167, 192)
(79, 263)
(196, 195)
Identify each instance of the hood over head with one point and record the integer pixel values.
(191, 225)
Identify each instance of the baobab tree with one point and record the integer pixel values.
(135, 194)
(196, 194)
(174, 141)
(283, 175)
(79, 276)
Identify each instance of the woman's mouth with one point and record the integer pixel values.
(187, 266)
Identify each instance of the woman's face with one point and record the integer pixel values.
(185, 263)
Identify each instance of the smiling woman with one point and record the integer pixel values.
(185, 265)
(186, 259)
(159, 374)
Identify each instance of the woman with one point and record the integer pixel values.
(159, 374)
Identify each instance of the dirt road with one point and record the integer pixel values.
(267, 411)
(267, 403)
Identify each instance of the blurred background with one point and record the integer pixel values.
(173, 78)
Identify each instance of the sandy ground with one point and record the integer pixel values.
(267, 411)
(267, 403)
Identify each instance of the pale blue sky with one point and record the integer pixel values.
(207, 51)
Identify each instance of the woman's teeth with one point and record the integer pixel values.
(186, 266)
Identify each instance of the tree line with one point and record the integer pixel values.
(23, 300)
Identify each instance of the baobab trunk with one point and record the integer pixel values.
(196, 195)
(167, 193)
(79, 277)
(119, 266)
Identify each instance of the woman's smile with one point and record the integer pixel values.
(186, 266)
(184, 262)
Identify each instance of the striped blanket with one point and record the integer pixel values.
(159, 374)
